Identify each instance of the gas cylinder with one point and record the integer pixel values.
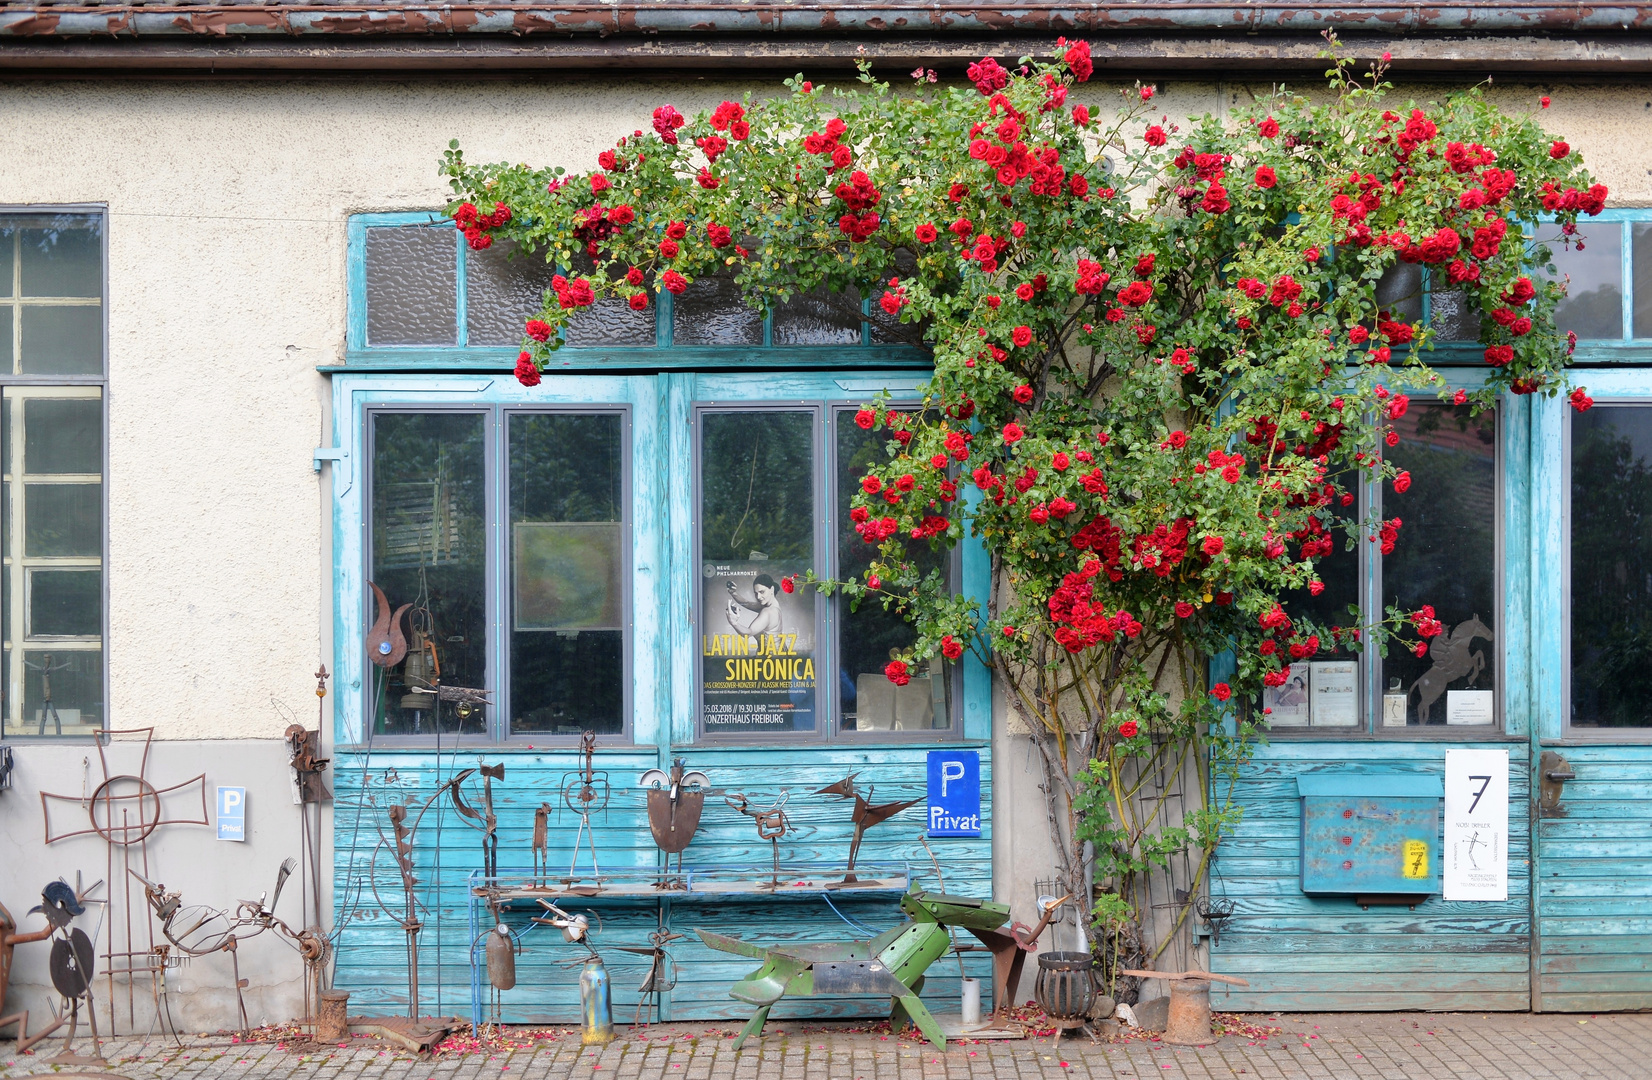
(596, 1004)
(501, 958)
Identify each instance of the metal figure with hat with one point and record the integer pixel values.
(585, 792)
(772, 823)
(71, 966)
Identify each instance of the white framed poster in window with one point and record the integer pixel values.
(1287, 703)
(1333, 693)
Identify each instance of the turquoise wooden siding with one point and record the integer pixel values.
(1310, 953)
(372, 953)
(1594, 885)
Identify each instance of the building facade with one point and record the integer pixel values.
(249, 371)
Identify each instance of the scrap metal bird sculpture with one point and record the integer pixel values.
(865, 816)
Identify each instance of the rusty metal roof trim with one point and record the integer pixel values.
(354, 18)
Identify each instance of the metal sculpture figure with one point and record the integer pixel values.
(865, 816)
(125, 810)
(891, 964)
(404, 823)
(772, 823)
(662, 970)
(386, 644)
(59, 904)
(485, 820)
(47, 709)
(675, 802)
(541, 843)
(585, 792)
(198, 930)
(1453, 660)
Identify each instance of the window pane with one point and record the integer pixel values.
(6, 355)
(62, 693)
(429, 551)
(1400, 292)
(712, 311)
(63, 340)
(1292, 705)
(65, 603)
(63, 519)
(1611, 609)
(1455, 315)
(819, 318)
(869, 637)
(62, 435)
(567, 574)
(1593, 307)
(757, 526)
(412, 286)
(504, 288)
(1445, 556)
(1642, 275)
(62, 254)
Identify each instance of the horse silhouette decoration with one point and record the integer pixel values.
(1454, 658)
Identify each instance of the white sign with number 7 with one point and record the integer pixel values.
(1476, 855)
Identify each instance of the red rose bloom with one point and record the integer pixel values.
(1559, 150)
(1265, 177)
(1221, 691)
(1268, 129)
(1013, 433)
(951, 648)
(1128, 729)
(639, 301)
(1155, 136)
(1184, 610)
(527, 373)
(895, 672)
(925, 234)
(673, 281)
(538, 329)
(1022, 336)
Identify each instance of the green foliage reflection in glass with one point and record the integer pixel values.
(869, 635)
(567, 629)
(429, 551)
(1612, 567)
(1445, 554)
(757, 485)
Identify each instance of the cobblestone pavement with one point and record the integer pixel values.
(1399, 1046)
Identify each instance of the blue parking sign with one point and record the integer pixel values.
(232, 813)
(954, 793)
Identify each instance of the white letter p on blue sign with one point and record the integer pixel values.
(954, 793)
(232, 813)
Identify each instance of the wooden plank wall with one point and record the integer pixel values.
(372, 951)
(1325, 953)
(1594, 891)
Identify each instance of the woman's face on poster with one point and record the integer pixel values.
(765, 594)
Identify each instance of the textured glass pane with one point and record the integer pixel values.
(65, 603)
(567, 573)
(1400, 292)
(712, 311)
(7, 314)
(429, 550)
(869, 637)
(63, 519)
(412, 286)
(62, 255)
(1612, 567)
(64, 340)
(62, 693)
(1641, 278)
(1445, 556)
(611, 321)
(62, 435)
(757, 527)
(1593, 307)
(1455, 315)
(819, 318)
(504, 288)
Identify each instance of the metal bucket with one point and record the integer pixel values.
(1064, 989)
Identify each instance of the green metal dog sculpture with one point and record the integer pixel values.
(892, 964)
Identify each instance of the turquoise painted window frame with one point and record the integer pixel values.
(1551, 546)
(360, 355)
(664, 690)
(1590, 351)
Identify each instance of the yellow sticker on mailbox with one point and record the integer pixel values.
(1416, 859)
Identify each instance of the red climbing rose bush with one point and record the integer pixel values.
(1160, 364)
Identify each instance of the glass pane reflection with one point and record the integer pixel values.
(1593, 306)
(429, 552)
(1444, 556)
(1611, 602)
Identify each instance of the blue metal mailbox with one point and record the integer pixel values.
(1370, 833)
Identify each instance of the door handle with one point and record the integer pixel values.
(1553, 771)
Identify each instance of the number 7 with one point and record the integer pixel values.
(1485, 782)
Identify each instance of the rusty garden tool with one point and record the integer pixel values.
(772, 823)
(865, 816)
(485, 819)
(585, 792)
(674, 805)
(1009, 950)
